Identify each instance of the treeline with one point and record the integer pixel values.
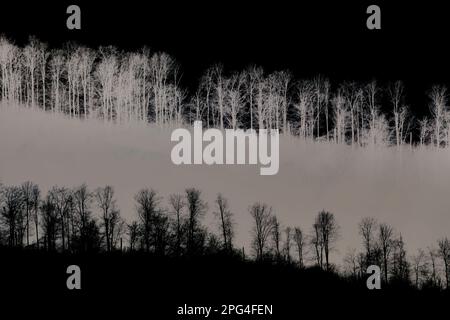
(144, 86)
(77, 220)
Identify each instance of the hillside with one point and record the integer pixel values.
(405, 188)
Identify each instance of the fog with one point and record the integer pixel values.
(409, 189)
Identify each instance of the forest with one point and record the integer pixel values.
(80, 221)
(145, 86)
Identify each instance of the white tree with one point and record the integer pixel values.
(303, 106)
(31, 56)
(107, 72)
(438, 96)
(57, 62)
(354, 97)
(340, 118)
(86, 64)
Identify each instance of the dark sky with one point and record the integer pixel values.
(309, 39)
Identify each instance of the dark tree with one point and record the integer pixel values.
(177, 204)
(36, 201)
(49, 223)
(147, 207)
(225, 222)
(276, 237)
(367, 227)
(61, 199)
(444, 253)
(11, 213)
(133, 234)
(28, 189)
(385, 238)
(327, 232)
(299, 240)
(196, 209)
(111, 220)
(400, 264)
(82, 200)
(262, 228)
(287, 244)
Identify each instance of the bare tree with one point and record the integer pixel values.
(396, 96)
(367, 228)
(10, 71)
(31, 55)
(419, 266)
(370, 93)
(86, 64)
(444, 254)
(49, 223)
(11, 213)
(327, 232)
(317, 243)
(112, 222)
(107, 74)
(340, 117)
(400, 265)
(424, 130)
(385, 238)
(287, 243)
(82, 200)
(61, 200)
(57, 62)
(276, 236)
(177, 204)
(433, 255)
(438, 96)
(36, 202)
(351, 263)
(354, 96)
(133, 234)
(299, 240)
(147, 207)
(262, 228)
(254, 75)
(162, 67)
(196, 208)
(225, 221)
(28, 205)
(305, 96)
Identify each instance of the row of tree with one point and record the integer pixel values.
(385, 248)
(143, 86)
(80, 220)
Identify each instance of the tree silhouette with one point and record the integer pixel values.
(326, 232)
(444, 253)
(11, 214)
(177, 204)
(49, 223)
(61, 199)
(196, 208)
(385, 237)
(147, 207)
(82, 200)
(262, 228)
(225, 217)
(367, 227)
(111, 220)
(178, 230)
(299, 240)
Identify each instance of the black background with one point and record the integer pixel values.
(329, 38)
